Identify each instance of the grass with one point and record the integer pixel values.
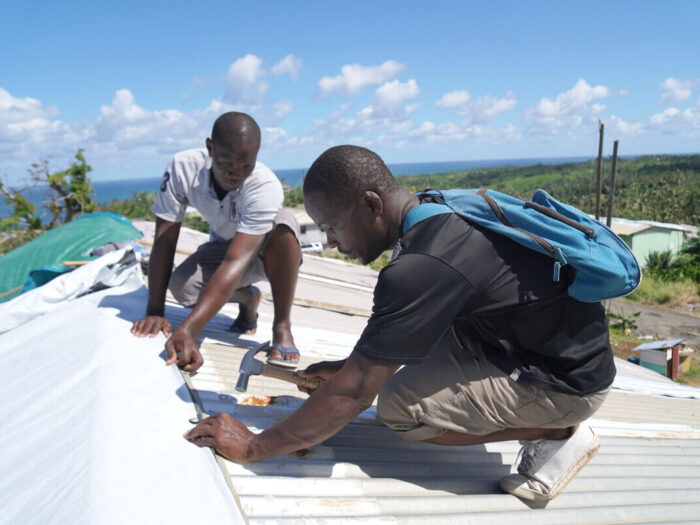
(692, 376)
(655, 291)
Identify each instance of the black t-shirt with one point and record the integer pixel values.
(449, 271)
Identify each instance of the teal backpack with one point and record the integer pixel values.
(605, 266)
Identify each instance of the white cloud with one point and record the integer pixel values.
(622, 127)
(354, 77)
(288, 65)
(598, 108)
(244, 84)
(124, 126)
(675, 90)
(570, 101)
(481, 110)
(453, 99)
(29, 131)
(623, 92)
(389, 99)
(430, 132)
(664, 116)
(282, 109)
(485, 108)
(563, 114)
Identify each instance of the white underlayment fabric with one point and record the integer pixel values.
(92, 422)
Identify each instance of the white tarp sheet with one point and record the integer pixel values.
(92, 421)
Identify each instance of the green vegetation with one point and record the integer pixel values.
(379, 263)
(293, 197)
(662, 188)
(621, 323)
(195, 222)
(692, 376)
(70, 195)
(654, 291)
(671, 279)
(137, 207)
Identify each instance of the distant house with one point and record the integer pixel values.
(309, 231)
(650, 236)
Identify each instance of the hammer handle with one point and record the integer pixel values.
(290, 376)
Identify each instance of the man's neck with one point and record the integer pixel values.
(220, 192)
(403, 201)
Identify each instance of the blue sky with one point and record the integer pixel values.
(134, 82)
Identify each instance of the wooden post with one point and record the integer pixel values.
(611, 199)
(601, 129)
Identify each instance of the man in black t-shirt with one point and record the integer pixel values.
(493, 349)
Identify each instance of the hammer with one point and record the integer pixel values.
(251, 366)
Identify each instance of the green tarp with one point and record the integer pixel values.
(44, 256)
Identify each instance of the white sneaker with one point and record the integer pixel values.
(548, 465)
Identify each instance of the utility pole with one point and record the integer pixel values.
(611, 200)
(601, 129)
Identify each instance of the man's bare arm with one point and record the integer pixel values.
(336, 403)
(159, 269)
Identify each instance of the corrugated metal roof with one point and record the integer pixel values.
(648, 468)
(644, 472)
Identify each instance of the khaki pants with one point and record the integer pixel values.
(189, 280)
(459, 389)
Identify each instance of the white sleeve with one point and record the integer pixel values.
(171, 199)
(259, 207)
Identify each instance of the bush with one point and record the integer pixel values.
(70, 195)
(196, 222)
(293, 197)
(664, 266)
(137, 207)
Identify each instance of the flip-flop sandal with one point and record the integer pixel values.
(239, 325)
(285, 351)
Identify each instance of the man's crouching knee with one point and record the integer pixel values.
(402, 412)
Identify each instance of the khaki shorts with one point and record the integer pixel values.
(459, 389)
(189, 280)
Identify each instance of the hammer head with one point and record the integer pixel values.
(250, 366)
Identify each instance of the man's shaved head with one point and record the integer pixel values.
(342, 173)
(235, 127)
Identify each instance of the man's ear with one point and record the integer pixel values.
(210, 145)
(374, 202)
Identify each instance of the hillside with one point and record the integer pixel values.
(663, 188)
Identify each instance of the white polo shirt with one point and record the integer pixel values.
(250, 208)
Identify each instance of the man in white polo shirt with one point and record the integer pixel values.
(252, 238)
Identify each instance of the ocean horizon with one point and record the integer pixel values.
(109, 190)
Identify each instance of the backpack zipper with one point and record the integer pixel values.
(590, 232)
(555, 253)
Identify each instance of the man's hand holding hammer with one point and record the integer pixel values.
(349, 388)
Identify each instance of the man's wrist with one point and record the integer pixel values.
(254, 449)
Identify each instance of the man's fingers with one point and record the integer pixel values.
(166, 328)
(203, 441)
(195, 362)
(137, 328)
(170, 352)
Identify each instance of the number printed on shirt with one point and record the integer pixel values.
(164, 184)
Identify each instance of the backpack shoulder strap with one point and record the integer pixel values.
(422, 212)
